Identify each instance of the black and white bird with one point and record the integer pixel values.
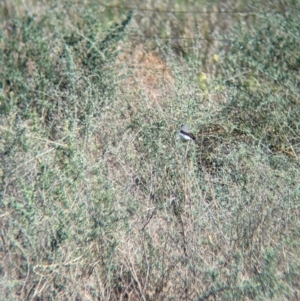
(185, 133)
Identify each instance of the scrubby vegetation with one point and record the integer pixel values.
(100, 200)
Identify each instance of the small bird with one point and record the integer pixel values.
(185, 134)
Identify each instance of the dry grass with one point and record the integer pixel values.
(101, 200)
